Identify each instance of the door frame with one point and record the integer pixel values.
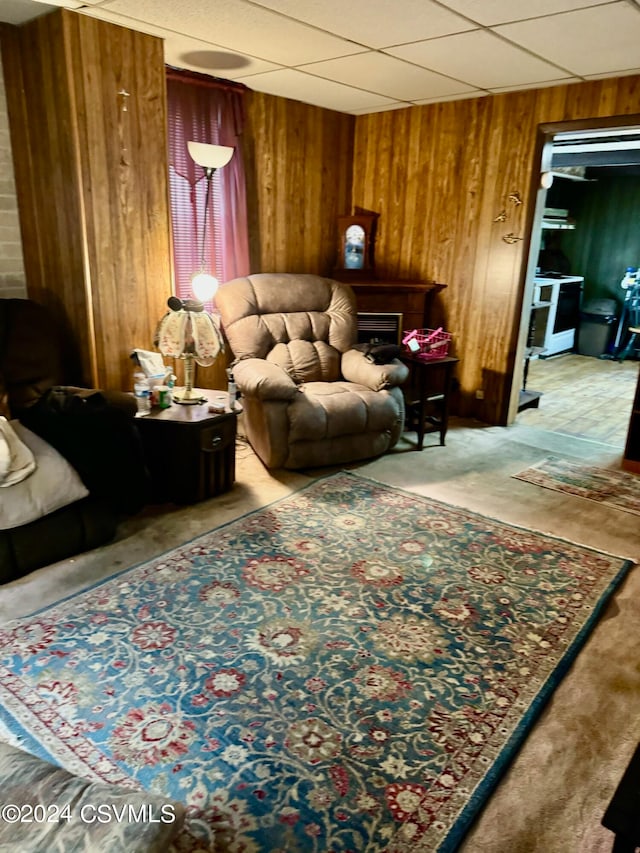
(545, 133)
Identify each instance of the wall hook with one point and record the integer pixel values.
(515, 198)
(501, 217)
(511, 238)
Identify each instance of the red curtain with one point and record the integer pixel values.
(204, 109)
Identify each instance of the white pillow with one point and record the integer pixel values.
(52, 485)
(16, 460)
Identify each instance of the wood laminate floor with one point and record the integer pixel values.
(582, 396)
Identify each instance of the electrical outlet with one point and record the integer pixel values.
(479, 394)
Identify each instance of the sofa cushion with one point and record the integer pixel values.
(52, 485)
(53, 811)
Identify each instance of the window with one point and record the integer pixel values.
(204, 109)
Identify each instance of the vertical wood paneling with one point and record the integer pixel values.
(298, 184)
(92, 182)
(462, 160)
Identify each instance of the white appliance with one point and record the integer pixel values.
(561, 294)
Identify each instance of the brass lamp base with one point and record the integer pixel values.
(186, 397)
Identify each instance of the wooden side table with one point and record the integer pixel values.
(190, 451)
(426, 394)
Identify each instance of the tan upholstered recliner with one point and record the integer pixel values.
(309, 398)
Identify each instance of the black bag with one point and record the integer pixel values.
(100, 441)
(380, 353)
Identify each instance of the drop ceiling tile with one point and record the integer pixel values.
(465, 97)
(289, 83)
(398, 105)
(626, 73)
(589, 41)
(206, 58)
(375, 23)
(377, 72)
(239, 25)
(193, 54)
(545, 85)
(491, 12)
(480, 59)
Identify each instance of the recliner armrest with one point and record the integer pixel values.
(256, 377)
(357, 368)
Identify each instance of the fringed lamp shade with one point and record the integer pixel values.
(192, 335)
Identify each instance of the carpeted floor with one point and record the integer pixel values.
(615, 488)
(556, 789)
(350, 668)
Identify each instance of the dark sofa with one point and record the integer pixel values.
(93, 430)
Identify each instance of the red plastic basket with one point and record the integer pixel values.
(433, 343)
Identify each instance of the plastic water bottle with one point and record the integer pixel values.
(231, 391)
(142, 393)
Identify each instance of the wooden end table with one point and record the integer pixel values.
(426, 394)
(190, 451)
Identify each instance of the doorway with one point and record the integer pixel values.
(590, 181)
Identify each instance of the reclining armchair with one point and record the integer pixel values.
(310, 399)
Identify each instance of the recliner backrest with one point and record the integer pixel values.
(301, 322)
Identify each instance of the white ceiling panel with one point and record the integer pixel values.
(491, 12)
(625, 73)
(547, 83)
(462, 97)
(361, 22)
(394, 78)
(464, 57)
(240, 26)
(373, 55)
(299, 86)
(192, 54)
(399, 105)
(590, 41)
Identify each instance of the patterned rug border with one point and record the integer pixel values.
(480, 795)
(527, 475)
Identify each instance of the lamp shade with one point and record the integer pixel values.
(210, 156)
(192, 333)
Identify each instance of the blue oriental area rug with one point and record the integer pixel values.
(348, 669)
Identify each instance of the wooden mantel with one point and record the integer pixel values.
(412, 299)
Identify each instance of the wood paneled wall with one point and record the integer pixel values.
(91, 174)
(606, 240)
(299, 160)
(439, 175)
